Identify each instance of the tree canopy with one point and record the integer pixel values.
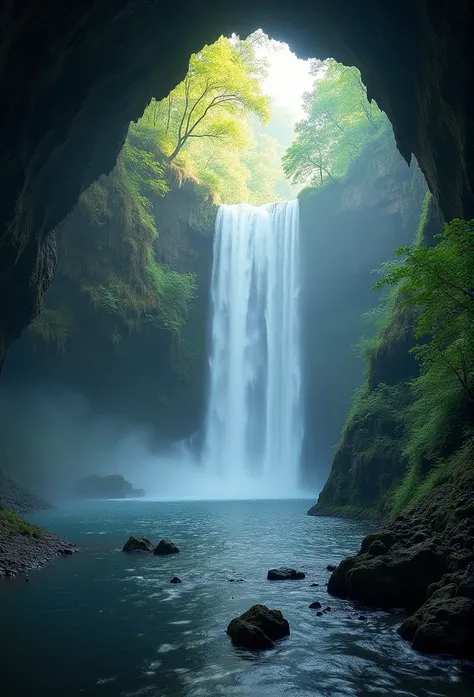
(222, 86)
(438, 282)
(339, 121)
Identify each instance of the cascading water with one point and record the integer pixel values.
(255, 421)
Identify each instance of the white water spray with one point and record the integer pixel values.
(255, 421)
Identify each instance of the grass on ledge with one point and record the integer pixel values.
(353, 512)
(17, 524)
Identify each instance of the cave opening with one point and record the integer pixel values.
(173, 321)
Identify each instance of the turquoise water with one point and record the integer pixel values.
(104, 623)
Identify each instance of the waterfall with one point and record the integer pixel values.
(254, 424)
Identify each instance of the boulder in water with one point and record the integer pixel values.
(137, 544)
(258, 628)
(315, 606)
(284, 574)
(165, 547)
(175, 579)
(248, 636)
(400, 579)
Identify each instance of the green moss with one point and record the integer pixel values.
(420, 236)
(353, 512)
(18, 524)
(107, 252)
(400, 425)
(54, 325)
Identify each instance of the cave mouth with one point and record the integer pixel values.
(109, 61)
(165, 236)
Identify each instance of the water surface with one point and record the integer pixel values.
(104, 623)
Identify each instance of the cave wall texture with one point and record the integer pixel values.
(73, 75)
(114, 376)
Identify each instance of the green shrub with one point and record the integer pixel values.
(18, 524)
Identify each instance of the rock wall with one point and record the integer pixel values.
(72, 81)
(424, 562)
(369, 460)
(348, 229)
(143, 374)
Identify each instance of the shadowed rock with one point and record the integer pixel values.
(165, 547)
(258, 628)
(137, 544)
(284, 574)
(398, 580)
(175, 579)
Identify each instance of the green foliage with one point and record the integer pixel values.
(175, 291)
(144, 174)
(219, 128)
(53, 326)
(438, 283)
(221, 87)
(19, 525)
(424, 219)
(413, 487)
(404, 434)
(435, 284)
(339, 123)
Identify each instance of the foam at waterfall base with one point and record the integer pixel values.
(187, 480)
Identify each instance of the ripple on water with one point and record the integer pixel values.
(173, 638)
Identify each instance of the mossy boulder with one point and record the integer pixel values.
(258, 628)
(443, 625)
(138, 544)
(399, 579)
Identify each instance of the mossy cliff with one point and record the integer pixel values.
(369, 460)
(348, 228)
(372, 457)
(125, 320)
(66, 111)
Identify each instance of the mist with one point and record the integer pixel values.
(54, 436)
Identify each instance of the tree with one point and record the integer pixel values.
(221, 87)
(339, 122)
(438, 282)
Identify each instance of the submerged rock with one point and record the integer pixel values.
(165, 547)
(137, 544)
(315, 606)
(284, 574)
(258, 628)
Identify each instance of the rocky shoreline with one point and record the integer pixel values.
(16, 498)
(24, 547)
(423, 562)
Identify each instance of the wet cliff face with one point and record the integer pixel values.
(72, 76)
(347, 229)
(129, 366)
